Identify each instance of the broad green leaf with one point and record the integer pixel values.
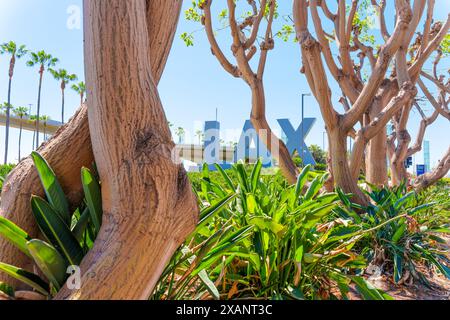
(251, 204)
(398, 267)
(226, 177)
(299, 254)
(81, 225)
(403, 200)
(368, 291)
(49, 261)
(26, 277)
(6, 289)
(208, 213)
(53, 189)
(93, 196)
(256, 173)
(210, 286)
(56, 231)
(301, 180)
(242, 175)
(399, 233)
(267, 224)
(314, 188)
(15, 235)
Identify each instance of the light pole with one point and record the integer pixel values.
(303, 118)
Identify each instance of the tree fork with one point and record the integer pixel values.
(70, 148)
(148, 203)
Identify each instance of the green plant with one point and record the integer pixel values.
(259, 237)
(69, 235)
(5, 169)
(405, 245)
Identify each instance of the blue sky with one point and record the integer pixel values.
(193, 85)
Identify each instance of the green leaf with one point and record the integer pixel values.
(399, 233)
(242, 175)
(226, 177)
(6, 289)
(256, 173)
(53, 190)
(398, 267)
(49, 261)
(26, 277)
(203, 275)
(251, 204)
(81, 225)
(93, 196)
(314, 188)
(403, 200)
(368, 291)
(208, 213)
(299, 254)
(267, 224)
(301, 180)
(15, 235)
(56, 231)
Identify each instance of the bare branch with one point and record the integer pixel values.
(230, 68)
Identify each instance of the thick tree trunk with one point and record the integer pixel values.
(430, 178)
(23, 182)
(342, 175)
(376, 160)
(376, 149)
(276, 147)
(70, 149)
(149, 207)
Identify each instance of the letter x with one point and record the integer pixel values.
(295, 140)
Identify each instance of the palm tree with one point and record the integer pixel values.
(80, 88)
(43, 60)
(180, 133)
(16, 52)
(20, 112)
(45, 120)
(65, 77)
(199, 134)
(32, 119)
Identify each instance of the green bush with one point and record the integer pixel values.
(69, 235)
(405, 244)
(259, 237)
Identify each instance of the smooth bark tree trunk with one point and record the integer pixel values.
(149, 206)
(339, 159)
(70, 148)
(376, 160)
(66, 159)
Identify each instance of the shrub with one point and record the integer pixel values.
(261, 238)
(69, 235)
(402, 246)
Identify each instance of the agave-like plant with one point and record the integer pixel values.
(402, 246)
(259, 237)
(68, 235)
